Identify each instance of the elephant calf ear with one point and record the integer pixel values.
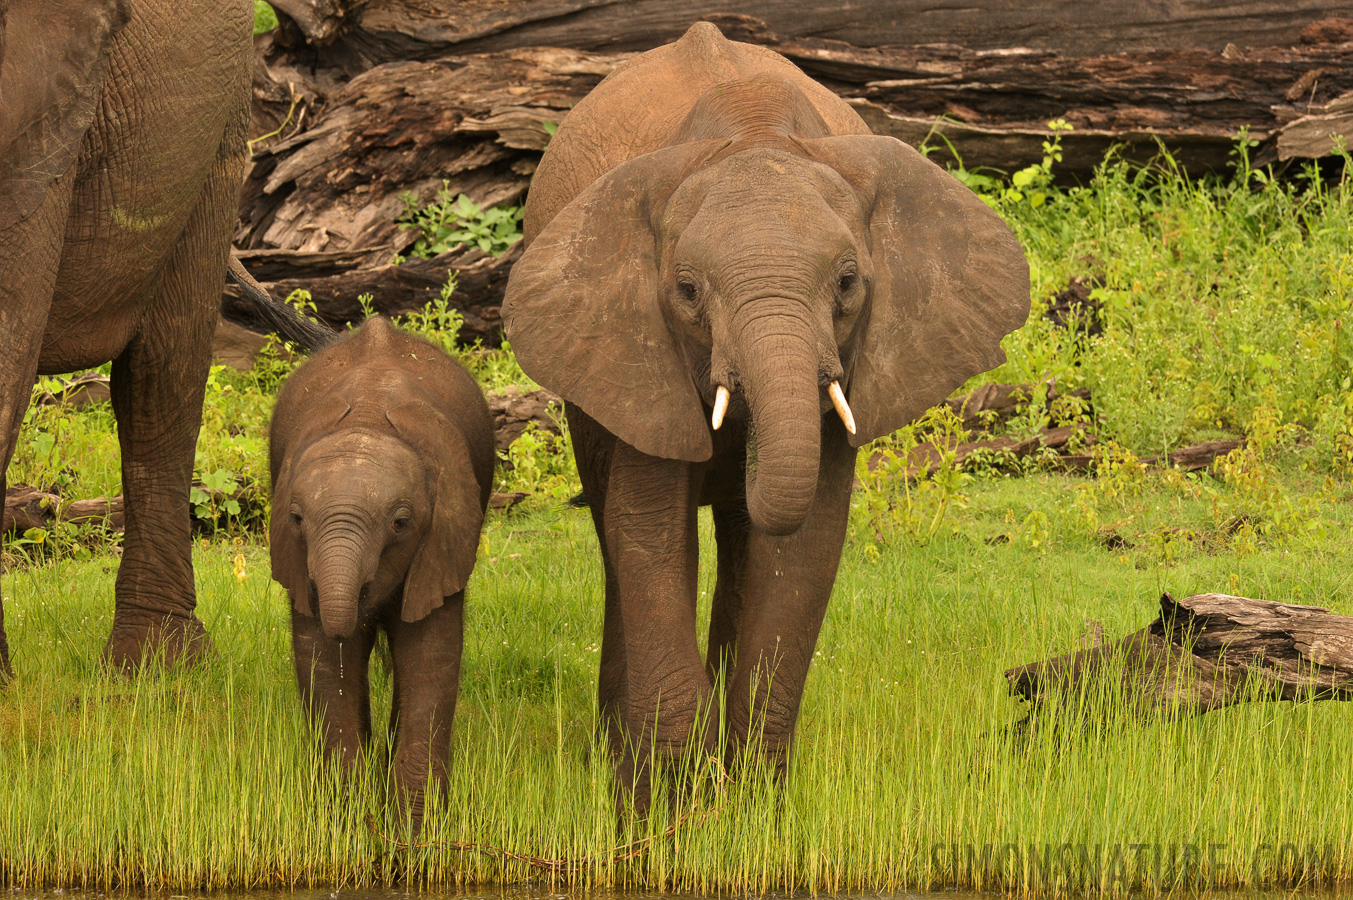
(582, 309)
(53, 61)
(950, 280)
(443, 562)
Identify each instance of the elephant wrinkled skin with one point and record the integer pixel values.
(123, 129)
(382, 463)
(709, 224)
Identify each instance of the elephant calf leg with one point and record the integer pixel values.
(332, 678)
(426, 656)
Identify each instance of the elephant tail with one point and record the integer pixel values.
(280, 318)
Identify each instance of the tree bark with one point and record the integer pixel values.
(358, 103)
(381, 30)
(1206, 652)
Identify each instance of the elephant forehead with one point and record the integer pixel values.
(762, 182)
(357, 455)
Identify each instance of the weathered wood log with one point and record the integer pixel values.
(1196, 458)
(361, 102)
(1206, 652)
(80, 391)
(514, 410)
(375, 31)
(481, 280)
(477, 123)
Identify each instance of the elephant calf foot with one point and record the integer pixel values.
(139, 636)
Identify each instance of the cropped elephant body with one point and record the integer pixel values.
(123, 128)
(382, 463)
(734, 285)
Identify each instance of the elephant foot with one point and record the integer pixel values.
(140, 636)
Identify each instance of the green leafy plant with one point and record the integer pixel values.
(911, 479)
(214, 497)
(265, 17)
(449, 222)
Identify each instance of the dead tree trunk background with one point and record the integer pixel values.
(366, 100)
(1206, 652)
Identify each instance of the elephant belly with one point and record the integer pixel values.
(143, 169)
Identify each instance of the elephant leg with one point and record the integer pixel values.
(332, 678)
(787, 581)
(592, 448)
(158, 385)
(651, 536)
(426, 656)
(30, 256)
(732, 527)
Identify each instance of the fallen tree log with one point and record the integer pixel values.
(1206, 652)
(393, 289)
(375, 31)
(357, 103)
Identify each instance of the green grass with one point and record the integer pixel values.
(1227, 308)
(905, 776)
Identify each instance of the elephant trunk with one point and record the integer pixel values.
(780, 378)
(336, 568)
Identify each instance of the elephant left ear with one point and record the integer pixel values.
(442, 564)
(53, 61)
(949, 281)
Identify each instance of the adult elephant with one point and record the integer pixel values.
(123, 128)
(719, 252)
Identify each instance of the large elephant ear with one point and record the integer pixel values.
(52, 67)
(442, 564)
(950, 280)
(285, 549)
(583, 316)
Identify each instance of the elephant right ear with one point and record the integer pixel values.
(286, 550)
(582, 310)
(53, 59)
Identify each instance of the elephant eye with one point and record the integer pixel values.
(296, 518)
(687, 291)
(847, 282)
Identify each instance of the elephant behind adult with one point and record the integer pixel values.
(123, 129)
(719, 253)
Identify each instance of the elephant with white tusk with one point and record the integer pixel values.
(733, 285)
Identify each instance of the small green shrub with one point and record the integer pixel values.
(897, 496)
(265, 18)
(448, 223)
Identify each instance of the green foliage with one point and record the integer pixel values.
(904, 754)
(265, 18)
(1219, 296)
(910, 480)
(448, 223)
(541, 463)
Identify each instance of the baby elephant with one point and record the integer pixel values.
(382, 463)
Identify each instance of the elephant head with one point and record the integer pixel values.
(785, 273)
(360, 514)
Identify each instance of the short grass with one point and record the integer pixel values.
(906, 774)
(1225, 307)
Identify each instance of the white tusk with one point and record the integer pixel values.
(720, 407)
(842, 407)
